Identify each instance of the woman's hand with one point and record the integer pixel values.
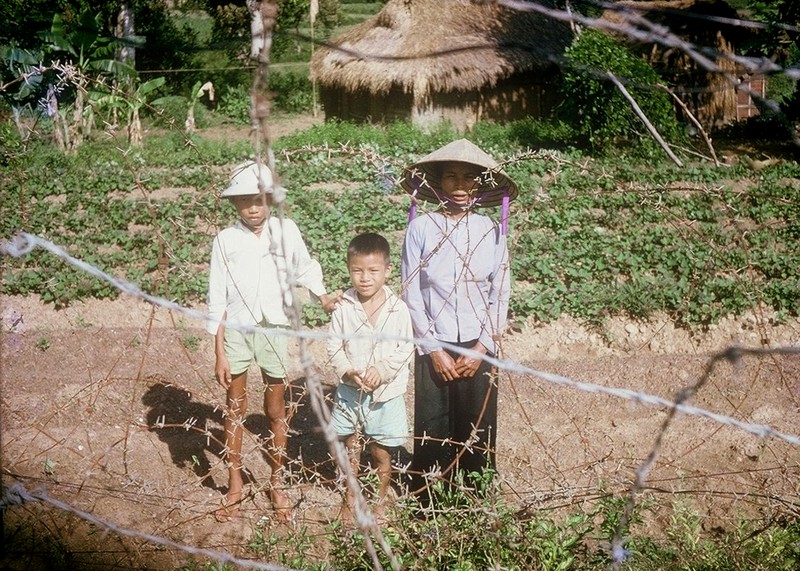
(467, 366)
(444, 365)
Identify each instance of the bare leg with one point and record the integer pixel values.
(383, 465)
(275, 409)
(353, 447)
(237, 407)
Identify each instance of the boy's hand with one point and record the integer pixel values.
(329, 301)
(468, 366)
(371, 379)
(222, 371)
(352, 377)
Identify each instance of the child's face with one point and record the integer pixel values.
(458, 183)
(368, 273)
(252, 208)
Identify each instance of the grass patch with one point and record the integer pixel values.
(465, 532)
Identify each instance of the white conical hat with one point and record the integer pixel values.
(421, 180)
(245, 180)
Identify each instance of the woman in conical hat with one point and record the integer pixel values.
(492, 187)
(456, 283)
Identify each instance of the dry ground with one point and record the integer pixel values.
(97, 398)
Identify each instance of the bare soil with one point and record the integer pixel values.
(111, 408)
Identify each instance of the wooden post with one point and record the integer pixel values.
(643, 117)
(694, 121)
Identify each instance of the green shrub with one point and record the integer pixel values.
(170, 112)
(234, 104)
(292, 94)
(594, 105)
(292, 91)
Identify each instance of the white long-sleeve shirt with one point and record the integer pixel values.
(250, 277)
(456, 279)
(356, 345)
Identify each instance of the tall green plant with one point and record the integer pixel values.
(131, 103)
(596, 107)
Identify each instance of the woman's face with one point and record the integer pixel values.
(459, 182)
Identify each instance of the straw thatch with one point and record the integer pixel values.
(710, 95)
(416, 50)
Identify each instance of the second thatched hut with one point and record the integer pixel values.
(430, 61)
(716, 96)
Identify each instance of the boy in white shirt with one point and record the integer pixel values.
(370, 349)
(254, 263)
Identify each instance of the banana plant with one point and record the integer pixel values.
(130, 104)
(73, 66)
(197, 93)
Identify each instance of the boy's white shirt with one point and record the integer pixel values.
(355, 344)
(249, 274)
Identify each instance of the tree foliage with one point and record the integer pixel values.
(165, 45)
(596, 107)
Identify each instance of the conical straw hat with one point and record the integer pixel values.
(421, 180)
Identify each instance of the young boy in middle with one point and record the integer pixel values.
(370, 349)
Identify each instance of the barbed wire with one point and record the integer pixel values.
(23, 244)
(17, 494)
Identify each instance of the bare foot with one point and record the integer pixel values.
(348, 517)
(379, 511)
(229, 507)
(282, 504)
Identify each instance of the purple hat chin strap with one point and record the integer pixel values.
(504, 212)
(412, 209)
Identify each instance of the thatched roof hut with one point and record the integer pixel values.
(433, 60)
(710, 95)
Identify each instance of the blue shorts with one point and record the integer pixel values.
(268, 351)
(383, 422)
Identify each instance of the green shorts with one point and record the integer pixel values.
(355, 412)
(270, 352)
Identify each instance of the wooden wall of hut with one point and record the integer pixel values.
(365, 107)
(752, 87)
(519, 97)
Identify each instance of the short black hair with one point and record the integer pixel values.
(368, 243)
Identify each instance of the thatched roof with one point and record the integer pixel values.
(686, 18)
(709, 93)
(425, 46)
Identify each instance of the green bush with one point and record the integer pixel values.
(170, 112)
(292, 94)
(292, 91)
(594, 105)
(234, 104)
